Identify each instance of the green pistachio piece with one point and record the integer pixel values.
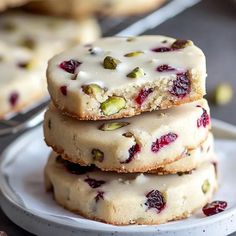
(181, 43)
(136, 73)
(133, 54)
(28, 43)
(128, 135)
(27, 65)
(130, 39)
(92, 89)
(97, 155)
(112, 126)
(112, 105)
(223, 94)
(110, 63)
(205, 186)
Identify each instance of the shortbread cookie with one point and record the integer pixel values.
(26, 44)
(192, 159)
(128, 198)
(82, 8)
(135, 144)
(120, 77)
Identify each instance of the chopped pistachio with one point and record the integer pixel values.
(112, 126)
(92, 89)
(130, 39)
(205, 186)
(27, 65)
(97, 155)
(181, 43)
(110, 63)
(112, 105)
(136, 73)
(223, 94)
(134, 54)
(28, 43)
(128, 135)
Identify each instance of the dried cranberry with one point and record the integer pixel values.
(204, 120)
(143, 94)
(181, 85)
(163, 141)
(214, 208)
(93, 183)
(63, 90)
(13, 99)
(155, 200)
(132, 152)
(162, 49)
(100, 195)
(70, 66)
(165, 68)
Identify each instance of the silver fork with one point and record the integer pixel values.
(150, 21)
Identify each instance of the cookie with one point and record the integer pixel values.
(120, 77)
(136, 144)
(123, 199)
(82, 8)
(26, 44)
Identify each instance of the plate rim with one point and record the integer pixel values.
(24, 138)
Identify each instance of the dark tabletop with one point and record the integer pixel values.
(211, 24)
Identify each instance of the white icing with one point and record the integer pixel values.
(185, 59)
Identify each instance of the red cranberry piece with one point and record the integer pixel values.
(163, 141)
(155, 200)
(181, 85)
(143, 94)
(13, 99)
(162, 49)
(204, 120)
(63, 90)
(100, 195)
(165, 68)
(132, 152)
(93, 183)
(214, 208)
(70, 66)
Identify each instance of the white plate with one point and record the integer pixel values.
(25, 202)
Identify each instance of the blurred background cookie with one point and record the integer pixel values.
(27, 42)
(81, 8)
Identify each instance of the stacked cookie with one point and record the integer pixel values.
(130, 130)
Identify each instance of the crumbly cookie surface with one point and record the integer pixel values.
(120, 77)
(128, 198)
(136, 144)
